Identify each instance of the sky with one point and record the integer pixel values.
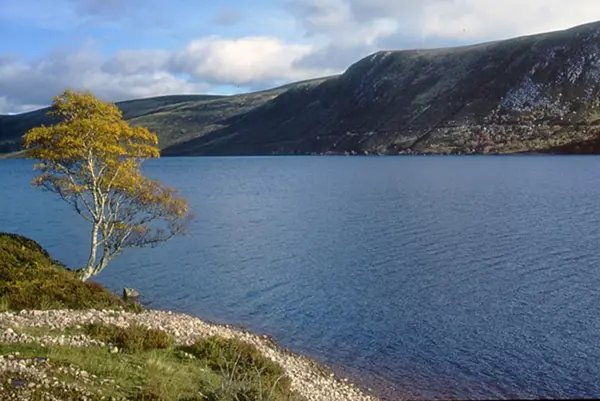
(126, 49)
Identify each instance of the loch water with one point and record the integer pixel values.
(470, 277)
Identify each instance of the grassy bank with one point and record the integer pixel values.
(31, 279)
(212, 369)
(103, 361)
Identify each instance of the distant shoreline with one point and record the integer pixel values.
(21, 155)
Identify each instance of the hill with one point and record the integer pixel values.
(527, 94)
(537, 93)
(175, 119)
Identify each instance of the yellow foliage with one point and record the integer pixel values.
(88, 125)
(92, 159)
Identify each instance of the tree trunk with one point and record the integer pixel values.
(103, 262)
(88, 271)
(85, 274)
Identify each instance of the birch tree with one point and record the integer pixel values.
(92, 160)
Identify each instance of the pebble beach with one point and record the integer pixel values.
(309, 379)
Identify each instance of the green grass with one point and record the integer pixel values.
(31, 279)
(223, 370)
(245, 373)
(45, 331)
(134, 338)
(156, 372)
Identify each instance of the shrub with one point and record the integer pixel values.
(134, 338)
(247, 374)
(30, 279)
(19, 251)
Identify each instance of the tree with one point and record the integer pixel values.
(92, 160)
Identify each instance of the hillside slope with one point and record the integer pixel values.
(527, 94)
(175, 119)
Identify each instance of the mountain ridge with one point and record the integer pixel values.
(535, 93)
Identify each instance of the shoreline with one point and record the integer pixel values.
(373, 386)
(311, 379)
(20, 155)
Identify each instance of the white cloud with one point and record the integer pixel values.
(322, 16)
(450, 19)
(131, 62)
(7, 106)
(245, 61)
(481, 20)
(351, 29)
(253, 62)
(34, 83)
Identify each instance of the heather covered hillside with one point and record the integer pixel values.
(526, 94)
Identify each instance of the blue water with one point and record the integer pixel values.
(467, 277)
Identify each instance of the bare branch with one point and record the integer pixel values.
(69, 174)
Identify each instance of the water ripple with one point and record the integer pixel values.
(427, 277)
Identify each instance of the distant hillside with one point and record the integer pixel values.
(538, 93)
(527, 94)
(12, 127)
(175, 119)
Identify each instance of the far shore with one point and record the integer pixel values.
(21, 154)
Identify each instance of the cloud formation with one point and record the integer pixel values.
(25, 85)
(452, 19)
(245, 61)
(256, 62)
(327, 37)
(351, 29)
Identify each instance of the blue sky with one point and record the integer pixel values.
(124, 49)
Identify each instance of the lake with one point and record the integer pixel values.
(470, 277)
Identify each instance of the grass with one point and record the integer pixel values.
(31, 279)
(44, 331)
(166, 374)
(245, 373)
(129, 372)
(134, 338)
